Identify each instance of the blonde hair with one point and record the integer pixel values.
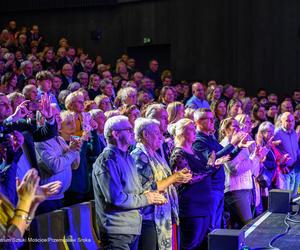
(224, 125)
(178, 129)
(173, 111)
(71, 98)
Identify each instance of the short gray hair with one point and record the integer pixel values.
(153, 109)
(95, 112)
(23, 64)
(141, 125)
(200, 113)
(264, 126)
(126, 92)
(113, 123)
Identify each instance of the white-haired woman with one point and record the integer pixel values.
(155, 174)
(195, 196)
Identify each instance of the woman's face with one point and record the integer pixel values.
(217, 94)
(233, 127)
(268, 133)
(32, 94)
(96, 82)
(131, 99)
(261, 114)
(78, 104)
(169, 96)
(273, 111)
(221, 109)
(247, 125)
(134, 114)
(180, 113)
(13, 81)
(100, 119)
(68, 128)
(235, 109)
(105, 105)
(189, 133)
(154, 138)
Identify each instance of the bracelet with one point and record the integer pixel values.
(27, 219)
(21, 210)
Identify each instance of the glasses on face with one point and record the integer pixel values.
(208, 118)
(130, 130)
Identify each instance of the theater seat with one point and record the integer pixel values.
(49, 232)
(96, 228)
(81, 226)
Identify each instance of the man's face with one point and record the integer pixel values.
(297, 96)
(5, 108)
(230, 91)
(28, 69)
(84, 80)
(286, 106)
(108, 90)
(56, 83)
(107, 75)
(45, 85)
(88, 64)
(68, 70)
(288, 121)
(71, 53)
(198, 91)
(126, 135)
(154, 65)
(206, 123)
(273, 99)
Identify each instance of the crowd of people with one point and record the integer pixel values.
(163, 159)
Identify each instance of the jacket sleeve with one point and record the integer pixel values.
(110, 184)
(55, 163)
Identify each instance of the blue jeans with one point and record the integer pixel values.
(119, 241)
(290, 181)
(217, 207)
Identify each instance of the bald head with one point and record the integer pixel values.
(287, 121)
(198, 90)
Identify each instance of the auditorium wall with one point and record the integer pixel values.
(251, 43)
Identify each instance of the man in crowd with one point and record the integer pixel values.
(198, 99)
(118, 192)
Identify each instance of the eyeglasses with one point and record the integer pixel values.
(130, 130)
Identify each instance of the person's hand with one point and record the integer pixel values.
(85, 136)
(182, 176)
(155, 198)
(220, 161)
(276, 143)
(45, 106)
(26, 188)
(211, 159)
(75, 144)
(16, 140)
(245, 143)
(237, 137)
(284, 159)
(21, 111)
(44, 192)
(93, 124)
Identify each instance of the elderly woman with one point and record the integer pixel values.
(195, 196)
(239, 172)
(75, 105)
(103, 102)
(128, 96)
(155, 174)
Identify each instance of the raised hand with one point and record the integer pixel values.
(46, 109)
(21, 111)
(220, 161)
(16, 139)
(237, 137)
(44, 192)
(26, 188)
